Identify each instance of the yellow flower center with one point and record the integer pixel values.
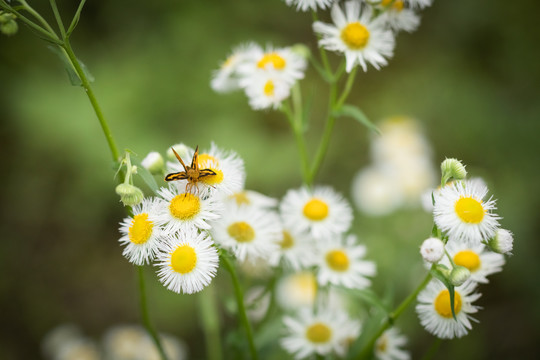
(470, 210)
(228, 62)
(382, 343)
(442, 304)
(318, 333)
(204, 159)
(241, 198)
(355, 35)
(269, 88)
(185, 206)
(306, 283)
(316, 210)
(213, 179)
(468, 259)
(287, 242)
(337, 260)
(272, 58)
(140, 229)
(241, 231)
(183, 259)
(397, 5)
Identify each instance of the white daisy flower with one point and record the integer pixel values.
(226, 78)
(387, 346)
(266, 91)
(398, 17)
(322, 334)
(141, 234)
(376, 191)
(296, 290)
(250, 197)
(322, 212)
(361, 39)
(295, 250)
(435, 313)
(462, 214)
(182, 210)
(228, 166)
(280, 63)
(306, 5)
(477, 259)
(340, 264)
(248, 232)
(188, 261)
(419, 3)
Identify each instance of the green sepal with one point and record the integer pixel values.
(439, 274)
(357, 114)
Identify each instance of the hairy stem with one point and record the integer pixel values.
(210, 321)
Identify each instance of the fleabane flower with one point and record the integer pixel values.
(435, 312)
(387, 346)
(353, 33)
(321, 212)
(461, 212)
(323, 334)
(141, 234)
(279, 63)
(265, 91)
(297, 290)
(306, 5)
(184, 210)
(226, 78)
(398, 16)
(296, 250)
(250, 233)
(228, 167)
(250, 197)
(341, 263)
(188, 261)
(477, 259)
(415, 4)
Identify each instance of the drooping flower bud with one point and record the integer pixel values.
(432, 250)
(130, 195)
(459, 275)
(453, 168)
(502, 242)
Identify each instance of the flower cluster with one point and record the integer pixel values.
(470, 237)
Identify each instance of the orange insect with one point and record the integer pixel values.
(191, 173)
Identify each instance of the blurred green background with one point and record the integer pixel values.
(470, 74)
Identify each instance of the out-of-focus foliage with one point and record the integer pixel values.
(470, 74)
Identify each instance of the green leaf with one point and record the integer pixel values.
(73, 77)
(146, 176)
(357, 114)
(438, 274)
(76, 18)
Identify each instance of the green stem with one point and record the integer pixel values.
(58, 18)
(210, 321)
(41, 32)
(432, 349)
(324, 57)
(297, 128)
(144, 314)
(347, 89)
(93, 100)
(241, 307)
(392, 317)
(38, 17)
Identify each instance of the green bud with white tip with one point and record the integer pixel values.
(130, 195)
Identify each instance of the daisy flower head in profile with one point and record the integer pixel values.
(321, 212)
(435, 312)
(398, 16)
(477, 259)
(188, 261)
(226, 78)
(307, 5)
(250, 233)
(183, 210)
(279, 63)
(461, 212)
(325, 333)
(297, 290)
(141, 234)
(388, 346)
(266, 91)
(250, 197)
(356, 35)
(340, 263)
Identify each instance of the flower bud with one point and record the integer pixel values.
(8, 25)
(153, 162)
(459, 275)
(301, 50)
(453, 168)
(502, 242)
(130, 195)
(432, 250)
(181, 149)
